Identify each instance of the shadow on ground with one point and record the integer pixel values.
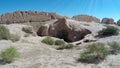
(2, 62)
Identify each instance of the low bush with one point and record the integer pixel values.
(87, 57)
(26, 35)
(48, 40)
(14, 38)
(59, 42)
(95, 52)
(4, 33)
(114, 47)
(110, 30)
(34, 34)
(69, 46)
(66, 46)
(9, 54)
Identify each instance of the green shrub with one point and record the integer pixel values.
(59, 42)
(9, 54)
(14, 38)
(48, 40)
(110, 30)
(96, 52)
(114, 47)
(26, 35)
(34, 34)
(67, 46)
(86, 57)
(99, 49)
(4, 33)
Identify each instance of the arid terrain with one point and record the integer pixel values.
(33, 26)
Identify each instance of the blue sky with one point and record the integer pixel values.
(98, 8)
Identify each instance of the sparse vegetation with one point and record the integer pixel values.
(69, 46)
(4, 33)
(26, 35)
(95, 53)
(114, 47)
(9, 54)
(66, 46)
(14, 38)
(87, 57)
(48, 40)
(34, 34)
(110, 30)
(59, 42)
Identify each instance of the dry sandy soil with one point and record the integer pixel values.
(34, 54)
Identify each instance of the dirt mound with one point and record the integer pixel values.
(108, 21)
(27, 16)
(85, 18)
